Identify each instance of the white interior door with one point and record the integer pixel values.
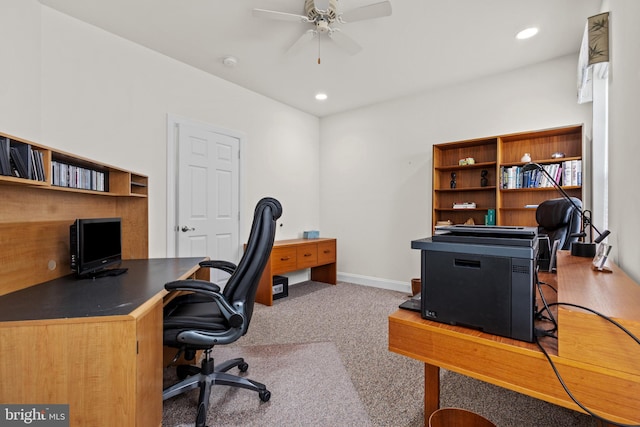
(208, 214)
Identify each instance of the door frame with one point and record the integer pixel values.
(173, 123)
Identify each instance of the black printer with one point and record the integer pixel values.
(482, 277)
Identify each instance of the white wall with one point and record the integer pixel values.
(624, 143)
(376, 165)
(20, 70)
(79, 89)
(105, 98)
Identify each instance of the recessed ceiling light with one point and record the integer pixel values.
(321, 96)
(527, 33)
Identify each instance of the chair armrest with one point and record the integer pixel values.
(192, 285)
(227, 266)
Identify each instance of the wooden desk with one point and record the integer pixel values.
(598, 362)
(93, 344)
(297, 254)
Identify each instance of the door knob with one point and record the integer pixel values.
(185, 228)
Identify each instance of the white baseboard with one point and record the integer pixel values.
(375, 282)
(357, 279)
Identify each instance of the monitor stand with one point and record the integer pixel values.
(105, 273)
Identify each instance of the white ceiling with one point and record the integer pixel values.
(422, 45)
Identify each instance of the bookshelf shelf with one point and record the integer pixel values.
(454, 190)
(60, 170)
(552, 189)
(462, 210)
(457, 167)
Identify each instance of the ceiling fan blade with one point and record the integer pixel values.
(344, 41)
(281, 16)
(375, 10)
(303, 40)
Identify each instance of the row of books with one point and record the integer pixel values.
(66, 175)
(20, 160)
(567, 173)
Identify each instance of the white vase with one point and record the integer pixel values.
(526, 158)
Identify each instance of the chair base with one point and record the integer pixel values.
(208, 375)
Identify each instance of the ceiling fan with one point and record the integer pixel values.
(322, 14)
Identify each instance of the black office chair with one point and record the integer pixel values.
(207, 317)
(559, 220)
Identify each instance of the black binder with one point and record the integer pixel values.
(5, 162)
(21, 160)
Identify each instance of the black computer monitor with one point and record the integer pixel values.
(95, 245)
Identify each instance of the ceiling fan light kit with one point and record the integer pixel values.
(317, 9)
(322, 14)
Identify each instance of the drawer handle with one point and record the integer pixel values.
(327, 251)
(307, 254)
(286, 258)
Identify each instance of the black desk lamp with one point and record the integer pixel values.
(583, 249)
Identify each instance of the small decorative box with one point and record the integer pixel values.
(311, 234)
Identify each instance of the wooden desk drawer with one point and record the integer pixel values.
(307, 255)
(283, 260)
(326, 252)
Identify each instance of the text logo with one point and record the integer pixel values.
(34, 415)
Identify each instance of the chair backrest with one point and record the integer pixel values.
(242, 286)
(559, 219)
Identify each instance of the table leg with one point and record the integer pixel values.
(325, 273)
(431, 391)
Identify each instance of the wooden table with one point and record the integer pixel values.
(599, 363)
(95, 345)
(296, 254)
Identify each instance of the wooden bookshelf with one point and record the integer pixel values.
(467, 188)
(35, 216)
(493, 154)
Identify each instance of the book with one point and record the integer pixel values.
(566, 170)
(37, 172)
(5, 162)
(465, 205)
(574, 172)
(19, 163)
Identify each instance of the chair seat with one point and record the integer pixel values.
(186, 315)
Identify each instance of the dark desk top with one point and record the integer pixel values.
(69, 297)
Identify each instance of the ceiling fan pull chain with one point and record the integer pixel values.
(318, 50)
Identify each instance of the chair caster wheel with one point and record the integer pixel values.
(243, 367)
(265, 395)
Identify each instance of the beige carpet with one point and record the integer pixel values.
(308, 382)
(342, 331)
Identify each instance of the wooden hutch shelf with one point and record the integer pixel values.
(38, 208)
